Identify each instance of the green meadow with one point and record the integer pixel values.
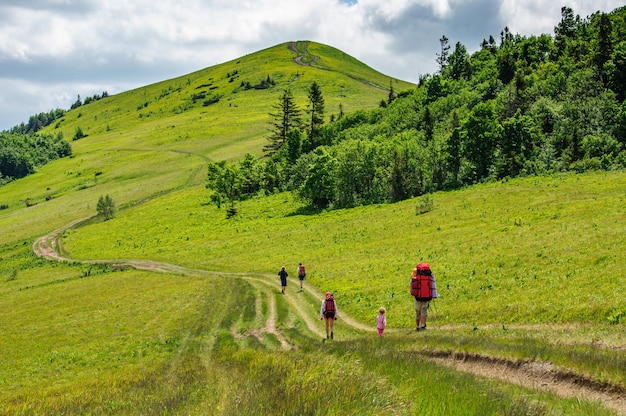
(529, 270)
(526, 251)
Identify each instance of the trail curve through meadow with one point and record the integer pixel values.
(542, 376)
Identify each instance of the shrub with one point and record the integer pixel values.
(106, 207)
(424, 205)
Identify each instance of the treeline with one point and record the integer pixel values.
(41, 120)
(88, 100)
(38, 122)
(518, 106)
(21, 154)
(22, 150)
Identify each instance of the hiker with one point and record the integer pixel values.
(381, 321)
(301, 274)
(329, 313)
(423, 289)
(283, 279)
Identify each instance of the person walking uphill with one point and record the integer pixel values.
(301, 274)
(423, 289)
(329, 313)
(283, 279)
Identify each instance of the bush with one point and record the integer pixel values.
(106, 207)
(424, 205)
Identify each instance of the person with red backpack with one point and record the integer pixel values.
(329, 313)
(301, 274)
(423, 290)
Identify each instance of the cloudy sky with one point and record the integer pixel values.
(51, 51)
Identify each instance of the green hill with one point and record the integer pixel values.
(170, 308)
(160, 137)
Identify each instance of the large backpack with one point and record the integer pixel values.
(422, 282)
(330, 306)
(301, 271)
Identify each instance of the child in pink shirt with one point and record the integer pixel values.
(381, 321)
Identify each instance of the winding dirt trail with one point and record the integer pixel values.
(542, 376)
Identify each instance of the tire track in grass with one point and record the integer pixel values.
(542, 376)
(538, 375)
(48, 246)
(269, 326)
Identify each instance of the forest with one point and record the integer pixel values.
(518, 106)
(21, 154)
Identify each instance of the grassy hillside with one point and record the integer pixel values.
(207, 332)
(89, 338)
(156, 138)
(525, 251)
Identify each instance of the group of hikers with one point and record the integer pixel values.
(422, 287)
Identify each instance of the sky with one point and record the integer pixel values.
(52, 51)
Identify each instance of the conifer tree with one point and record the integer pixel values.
(316, 101)
(442, 57)
(286, 118)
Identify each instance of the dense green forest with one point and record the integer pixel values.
(22, 149)
(518, 106)
(21, 154)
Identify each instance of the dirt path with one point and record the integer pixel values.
(298, 59)
(268, 328)
(542, 376)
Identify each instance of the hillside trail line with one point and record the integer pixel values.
(49, 247)
(293, 47)
(542, 376)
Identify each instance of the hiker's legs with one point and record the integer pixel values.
(418, 312)
(424, 314)
(421, 312)
(327, 327)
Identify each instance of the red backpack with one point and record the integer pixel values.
(421, 282)
(329, 306)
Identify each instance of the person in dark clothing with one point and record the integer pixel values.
(283, 279)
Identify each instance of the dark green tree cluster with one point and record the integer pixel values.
(524, 106)
(21, 154)
(289, 139)
(38, 122)
(88, 100)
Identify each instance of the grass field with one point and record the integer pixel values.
(529, 271)
(88, 339)
(527, 251)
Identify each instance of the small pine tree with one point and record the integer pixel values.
(79, 134)
(392, 94)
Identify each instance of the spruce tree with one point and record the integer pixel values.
(316, 101)
(286, 118)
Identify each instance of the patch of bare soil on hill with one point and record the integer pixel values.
(298, 58)
(542, 376)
